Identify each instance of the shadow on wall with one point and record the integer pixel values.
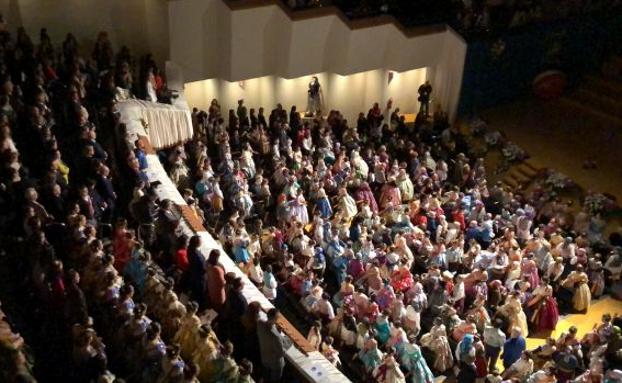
(14, 15)
(276, 31)
(212, 27)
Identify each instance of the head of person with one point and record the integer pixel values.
(195, 242)
(238, 284)
(525, 355)
(213, 257)
(272, 315)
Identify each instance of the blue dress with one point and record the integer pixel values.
(383, 331)
(241, 254)
(370, 358)
(323, 206)
(413, 362)
(136, 271)
(340, 264)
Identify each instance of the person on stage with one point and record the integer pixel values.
(425, 90)
(315, 104)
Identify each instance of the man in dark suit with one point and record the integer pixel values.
(145, 209)
(85, 164)
(88, 136)
(425, 90)
(242, 114)
(272, 345)
(106, 191)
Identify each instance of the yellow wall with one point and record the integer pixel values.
(209, 40)
(349, 94)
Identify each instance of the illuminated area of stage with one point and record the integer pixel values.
(350, 94)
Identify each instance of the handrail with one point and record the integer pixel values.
(196, 225)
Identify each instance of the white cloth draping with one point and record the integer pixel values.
(168, 125)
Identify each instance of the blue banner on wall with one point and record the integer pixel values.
(499, 69)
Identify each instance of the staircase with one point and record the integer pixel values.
(520, 176)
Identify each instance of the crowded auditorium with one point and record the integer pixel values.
(313, 191)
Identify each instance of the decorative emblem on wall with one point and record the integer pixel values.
(497, 49)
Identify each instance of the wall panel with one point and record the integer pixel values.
(349, 94)
(265, 41)
(142, 25)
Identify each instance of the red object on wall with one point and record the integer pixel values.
(549, 84)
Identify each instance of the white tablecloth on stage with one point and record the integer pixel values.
(167, 124)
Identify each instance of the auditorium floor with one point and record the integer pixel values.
(559, 136)
(583, 322)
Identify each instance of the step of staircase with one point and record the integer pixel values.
(526, 170)
(510, 182)
(514, 179)
(606, 96)
(601, 102)
(529, 163)
(521, 175)
(521, 178)
(605, 86)
(577, 105)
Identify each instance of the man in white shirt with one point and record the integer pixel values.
(324, 308)
(494, 339)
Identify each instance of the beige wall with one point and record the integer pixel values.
(211, 41)
(349, 94)
(140, 24)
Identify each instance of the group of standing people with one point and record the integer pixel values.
(86, 247)
(397, 248)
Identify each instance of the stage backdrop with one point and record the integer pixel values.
(242, 40)
(349, 94)
(501, 68)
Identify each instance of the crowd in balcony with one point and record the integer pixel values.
(93, 298)
(466, 16)
(384, 238)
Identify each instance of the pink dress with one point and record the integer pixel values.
(545, 312)
(385, 298)
(401, 279)
(392, 195)
(364, 194)
(529, 270)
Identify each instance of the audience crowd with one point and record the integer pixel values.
(95, 305)
(382, 238)
(387, 240)
(467, 16)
